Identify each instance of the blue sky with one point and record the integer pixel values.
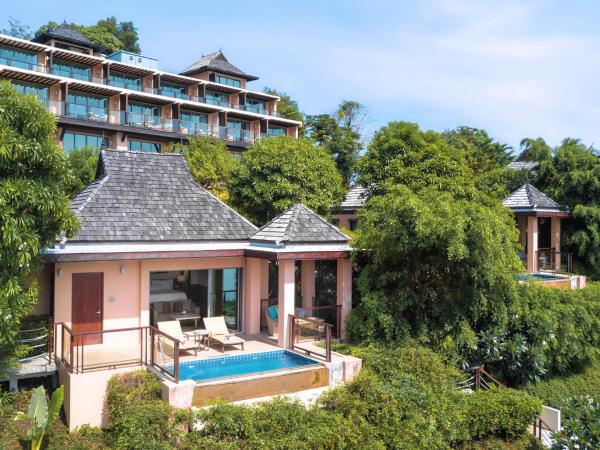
(517, 69)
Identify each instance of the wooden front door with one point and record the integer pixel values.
(86, 306)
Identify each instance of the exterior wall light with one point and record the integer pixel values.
(60, 272)
(122, 268)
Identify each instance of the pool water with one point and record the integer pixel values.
(539, 276)
(227, 366)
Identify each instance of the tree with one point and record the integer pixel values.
(107, 33)
(277, 172)
(17, 29)
(83, 164)
(401, 153)
(339, 134)
(481, 151)
(286, 107)
(210, 163)
(34, 208)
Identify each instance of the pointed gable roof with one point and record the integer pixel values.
(151, 197)
(66, 33)
(299, 225)
(528, 197)
(218, 62)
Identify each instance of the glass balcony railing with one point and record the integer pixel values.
(131, 85)
(84, 112)
(75, 75)
(23, 65)
(151, 122)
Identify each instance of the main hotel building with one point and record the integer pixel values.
(122, 101)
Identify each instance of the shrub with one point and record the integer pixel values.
(500, 412)
(556, 391)
(138, 416)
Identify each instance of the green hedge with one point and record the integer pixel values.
(556, 391)
(500, 412)
(138, 416)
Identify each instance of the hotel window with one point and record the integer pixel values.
(228, 81)
(173, 90)
(41, 92)
(217, 98)
(200, 293)
(143, 146)
(194, 123)
(75, 141)
(257, 106)
(277, 131)
(87, 107)
(122, 80)
(238, 130)
(66, 69)
(17, 58)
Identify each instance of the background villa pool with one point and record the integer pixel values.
(227, 366)
(539, 276)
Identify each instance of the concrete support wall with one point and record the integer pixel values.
(344, 291)
(308, 283)
(532, 244)
(286, 299)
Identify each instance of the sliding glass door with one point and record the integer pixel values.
(202, 293)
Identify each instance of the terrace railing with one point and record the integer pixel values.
(87, 351)
(37, 335)
(549, 260)
(305, 331)
(331, 314)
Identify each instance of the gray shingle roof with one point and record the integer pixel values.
(65, 32)
(151, 197)
(299, 225)
(523, 165)
(528, 197)
(355, 199)
(216, 61)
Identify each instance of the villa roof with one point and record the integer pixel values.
(151, 197)
(299, 225)
(529, 198)
(66, 33)
(218, 62)
(523, 165)
(355, 199)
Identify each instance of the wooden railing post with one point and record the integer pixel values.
(176, 362)
(477, 378)
(71, 353)
(328, 344)
(152, 346)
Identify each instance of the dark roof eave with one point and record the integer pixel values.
(245, 76)
(41, 38)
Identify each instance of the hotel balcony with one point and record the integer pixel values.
(138, 86)
(151, 123)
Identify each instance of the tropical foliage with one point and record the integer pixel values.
(41, 414)
(441, 263)
(340, 135)
(108, 33)
(33, 206)
(83, 163)
(210, 162)
(277, 172)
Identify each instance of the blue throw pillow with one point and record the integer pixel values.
(272, 312)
